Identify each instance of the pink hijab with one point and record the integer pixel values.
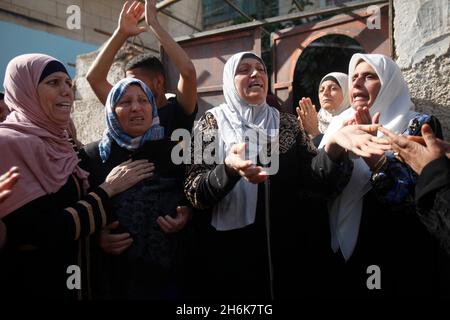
(30, 140)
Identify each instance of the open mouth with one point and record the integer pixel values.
(136, 120)
(255, 85)
(64, 105)
(360, 97)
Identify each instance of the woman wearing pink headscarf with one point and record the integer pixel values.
(49, 216)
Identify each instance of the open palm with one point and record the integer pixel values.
(129, 18)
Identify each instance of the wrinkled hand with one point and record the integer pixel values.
(129, 19)
(307, 115)
(362, 116)
(416, 155)
(361, 140)
(237, 165)
(7, 182)
(171, 225)
(126, 175)
(150, 11)
(114, 243)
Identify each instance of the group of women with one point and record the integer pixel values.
(313, 226)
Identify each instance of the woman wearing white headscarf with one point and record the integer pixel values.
(334, 99)
(250, 230)
(372, 222)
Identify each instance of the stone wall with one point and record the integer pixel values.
(98, 18)
(422, 49)
(51, 16)
(88, 113)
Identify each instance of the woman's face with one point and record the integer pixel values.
(134, 111)
(365, 86)
(251, 81)
(56, 97)
(330, 95)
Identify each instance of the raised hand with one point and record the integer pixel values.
(362, 116)
(236, 163)
(171, 225)
(129, 19)
(307, 115)
(415, 154)
(150, 11)
(361, 140)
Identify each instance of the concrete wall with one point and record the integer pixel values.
(51, 16)
(88, 112)
(422, 48)
(97, 18)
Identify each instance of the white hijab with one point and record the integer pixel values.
(394, 104)
(238, 208)
(324, 117)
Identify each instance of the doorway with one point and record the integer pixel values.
(330, 53)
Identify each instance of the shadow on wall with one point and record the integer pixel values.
(438, 110)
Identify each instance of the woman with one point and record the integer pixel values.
(372, 222)
(249, 229)
(49, 214)
(140, 260)
(430, 159)
(334, 99)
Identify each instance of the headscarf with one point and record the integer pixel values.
(234, 118)
(324, 116)
(394, 103)
(30, 140)
(114, 130)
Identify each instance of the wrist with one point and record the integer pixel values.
(316, 132)
(107, 188)
(121, 34)
(229, 169)
(313, 134)
(334, 150)
(154, 25)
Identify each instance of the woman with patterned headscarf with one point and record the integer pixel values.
(256, 167)
(49, 216)
(140, 249)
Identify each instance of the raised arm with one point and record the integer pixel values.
(127, 27)
(187, 84)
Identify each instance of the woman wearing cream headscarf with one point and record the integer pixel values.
(372, 222)
(250, 231)
(334, 99)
